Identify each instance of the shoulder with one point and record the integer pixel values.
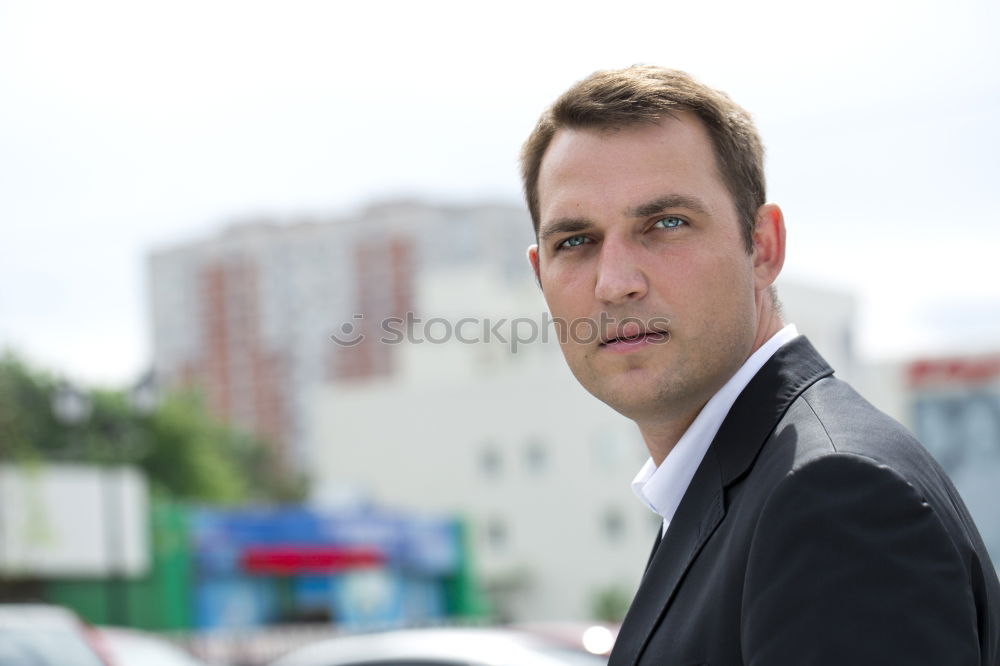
(830, 424)
(834, 452)
(849, 508)
(842, 420)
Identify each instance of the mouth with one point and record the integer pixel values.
(632, 335)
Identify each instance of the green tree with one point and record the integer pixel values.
(28, 428)
(185, 452)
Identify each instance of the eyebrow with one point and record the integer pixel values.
(665, 202)
(564, 225)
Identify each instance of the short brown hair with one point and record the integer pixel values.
(644, 94)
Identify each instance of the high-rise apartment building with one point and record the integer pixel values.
(247, 315)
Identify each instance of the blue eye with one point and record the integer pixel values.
(572, 241)
(668, 222)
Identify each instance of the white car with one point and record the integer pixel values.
(439, 647)
(42, 635)
(128, 647)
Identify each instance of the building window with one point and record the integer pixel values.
(607, 447)
(496, 534)
(613, 525)
(536, 456)
(490, 463)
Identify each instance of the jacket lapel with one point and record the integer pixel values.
(698, 514)
(656, 544)
(749, 423)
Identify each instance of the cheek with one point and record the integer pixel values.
(733, 293)
(568, 292)
(712, 287)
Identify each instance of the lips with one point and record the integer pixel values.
(631, 334)
(645, 336)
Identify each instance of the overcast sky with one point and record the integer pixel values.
(125, 126)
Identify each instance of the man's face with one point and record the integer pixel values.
(636, 224)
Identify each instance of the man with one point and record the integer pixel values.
(800, 525)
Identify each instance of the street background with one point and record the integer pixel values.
(194, 197)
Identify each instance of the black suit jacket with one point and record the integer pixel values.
(815, 531)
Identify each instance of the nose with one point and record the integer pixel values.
(619, 275)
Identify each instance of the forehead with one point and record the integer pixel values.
(625, 165)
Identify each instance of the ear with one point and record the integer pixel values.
(533, 260)
(768, 245)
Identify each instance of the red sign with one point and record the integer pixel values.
(953, 371)
(292, 559)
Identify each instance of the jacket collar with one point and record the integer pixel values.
(790, 371)
(752, 418)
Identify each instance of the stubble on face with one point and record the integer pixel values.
(697, 275)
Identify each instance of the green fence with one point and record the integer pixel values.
(158, 601)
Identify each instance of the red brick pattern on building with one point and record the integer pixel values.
(244, 383)
(384, 273)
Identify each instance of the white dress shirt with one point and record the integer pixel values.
(661, 488)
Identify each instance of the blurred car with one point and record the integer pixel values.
(128, 647)
(42, 635)
(595, 638)
(439, 647)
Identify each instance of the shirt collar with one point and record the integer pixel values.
(661, 488)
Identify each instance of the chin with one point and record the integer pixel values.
(636, 400)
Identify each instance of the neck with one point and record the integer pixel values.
(770, 322)
(662, 436)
